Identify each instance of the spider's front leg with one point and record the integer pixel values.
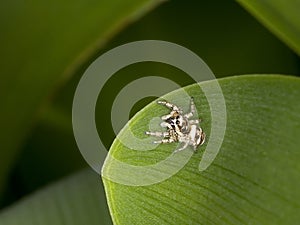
(167, 125)
(166, 117)
(192, 109)
(170, 106)
(158, 134)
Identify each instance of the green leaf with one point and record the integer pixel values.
(281, 17)
(253, 180)
(76, 200)
(43, 43)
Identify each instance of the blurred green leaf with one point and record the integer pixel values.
(280, 16)
(254, 178)
(77, 200)
(222, 33)
(42, 44)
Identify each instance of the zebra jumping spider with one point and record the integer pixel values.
(180, 128)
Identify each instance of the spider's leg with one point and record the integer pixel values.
(165, 117)
(158, 134)
(194, 122)
(169, 105)
(165, 141)
(202, 140)
(165, 124)
(203, 135)
(182, 148)
(195, 148)
(192, 109)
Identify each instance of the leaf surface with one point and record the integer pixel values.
(253, 180)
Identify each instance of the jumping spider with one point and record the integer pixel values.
(180, 128)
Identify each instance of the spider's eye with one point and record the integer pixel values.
(177, 117)
(177, 122)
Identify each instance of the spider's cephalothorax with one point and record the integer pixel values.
(180, 128)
